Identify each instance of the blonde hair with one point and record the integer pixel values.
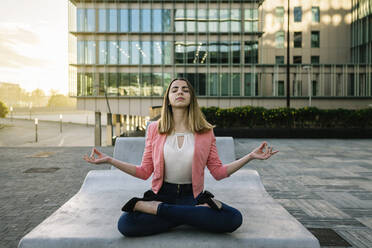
(196, 119)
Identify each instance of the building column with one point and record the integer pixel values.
(97, 129)
(109, 130)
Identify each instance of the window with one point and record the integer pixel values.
(236, 84)
(102, 58)
(297, 88)
(278, 88)
(113, 52)
(124, 53)
(113, 20)
(314, 59)
(213, 20)
(314, 88)
(91, 20)
(235, 20)
(135, 20)
(85, 20)
(235, 47)
(224, 20)
(190, 24)
(315, 14)
(250, 52)
(179, 24)
(297, 14)
(202, 18)
(134, 53)
(297, 41)
(102, 24)
(297, 59)
(315, 40)
(146, 52)
(279, 60)
(124, 24)
(166, 17)
(145, 20)
(279, 14)
(279, 39)
(251, 20)
(156, 20)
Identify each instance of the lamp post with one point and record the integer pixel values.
(36, 122)
(288, 58)
(308, 69)
(60, 123)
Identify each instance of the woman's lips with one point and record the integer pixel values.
(180, 98)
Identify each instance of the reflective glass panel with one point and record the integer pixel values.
(89, 84)
(145, 52)
(113, 52)
(91, 52)
(315, 39)
(202, 20)
(236, 84)
(279, 60)
(224, 53)
(203, 53)
(225, 84)
(80, 52)
(166, 20)
(134, 20)
(167, 78)
(145, 20)
(135, 54)
(279, 14)
(190, 23)
(112, 86)
(145, 84)
(315, 14)
(102, 20)
(134, 84)
(213, 20)
(224, 20)
(124, 24)
(102, 52)
(213, 84)
(235, 20)
(191, 53)
(156, 83)
(123, 84)
(247, 84)
(297, 14)
(213, 52)
(157, 20)
(113, 20)
(297, 40)
(235, 47)
(91, 20)
(167, 52)
(157, 52)
(80, 20)
(279, 39)
(101, 84)
(124, 53)
(179, 52)
(179, 23)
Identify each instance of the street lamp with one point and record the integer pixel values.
(308, 69)
(36, 122)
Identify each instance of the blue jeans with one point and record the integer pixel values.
(178, 208)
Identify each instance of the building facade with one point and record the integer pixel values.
(123, 54)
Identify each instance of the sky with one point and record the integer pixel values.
(33, 44)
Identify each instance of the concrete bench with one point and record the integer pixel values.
(89, 219)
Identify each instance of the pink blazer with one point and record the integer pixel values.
(205, 154)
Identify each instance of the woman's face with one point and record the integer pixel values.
(179, 94)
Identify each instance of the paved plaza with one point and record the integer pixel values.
(324, 183)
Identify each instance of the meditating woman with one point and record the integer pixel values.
(177, 149)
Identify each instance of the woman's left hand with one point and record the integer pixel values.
(258, 153)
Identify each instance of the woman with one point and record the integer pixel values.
(177, 148)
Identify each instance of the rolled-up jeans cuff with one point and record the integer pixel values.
(158, 209)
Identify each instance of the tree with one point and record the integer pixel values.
(37, 97)
(3, 110)
(61, 101)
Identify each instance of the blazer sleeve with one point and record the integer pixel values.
(214, 164)
(146, 168)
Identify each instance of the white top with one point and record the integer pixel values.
(178, 161)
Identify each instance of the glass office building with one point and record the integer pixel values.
(135, 48)
(361, 31)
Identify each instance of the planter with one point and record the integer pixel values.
(331, 133)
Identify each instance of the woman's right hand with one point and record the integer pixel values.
(102, 158)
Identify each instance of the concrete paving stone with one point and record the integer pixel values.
(360, 238)
(367, 221)
(321, 209)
